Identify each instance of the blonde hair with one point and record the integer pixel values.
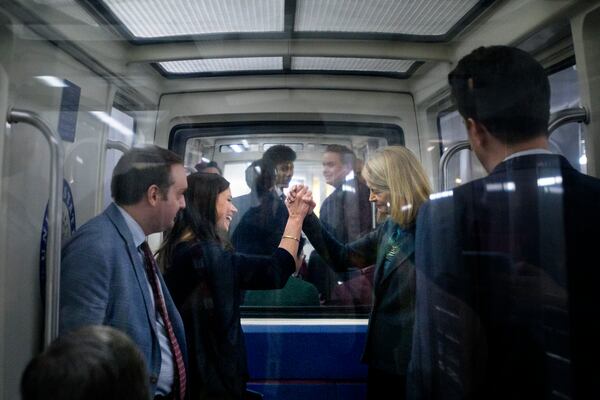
(395, 169)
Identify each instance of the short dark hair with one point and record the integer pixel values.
(140, 168)
(201, 166)
(279, 154)
(92, 363)
(346, 155)
(505, 89)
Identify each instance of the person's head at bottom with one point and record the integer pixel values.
(92, 363)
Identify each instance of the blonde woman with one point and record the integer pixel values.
(398, 186)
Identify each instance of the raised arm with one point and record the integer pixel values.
(360, 253)
(298, 208)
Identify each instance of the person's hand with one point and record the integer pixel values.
(292, 193)
(301, 202)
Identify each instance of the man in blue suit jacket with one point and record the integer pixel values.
(104, 279)
(506, 280)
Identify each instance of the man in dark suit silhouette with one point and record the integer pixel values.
(505, 264)
(345, 213)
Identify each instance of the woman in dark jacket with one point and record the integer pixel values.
(398, 186)
(205, 277)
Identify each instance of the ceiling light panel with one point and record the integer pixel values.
(405, 17)
(147, 19)
(351, 64)
(215, 65)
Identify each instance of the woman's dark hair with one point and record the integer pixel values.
(198, 219)
(265, 176)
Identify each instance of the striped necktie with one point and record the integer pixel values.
(151, 271)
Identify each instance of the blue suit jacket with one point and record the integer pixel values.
(103, 282)
(506, 283)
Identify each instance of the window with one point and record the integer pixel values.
(568, 139)
(120, 136)
(340, 294)
(464, 166)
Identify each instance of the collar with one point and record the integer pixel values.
(278, 191)
(136, 230)
(527, 153)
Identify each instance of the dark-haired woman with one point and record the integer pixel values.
(205, 277)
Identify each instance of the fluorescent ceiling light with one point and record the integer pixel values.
(52, 81)
(408, 17)
(212, 65)
(236, 148)
(167, 18)
(351, 64)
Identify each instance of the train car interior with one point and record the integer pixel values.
(83, 81)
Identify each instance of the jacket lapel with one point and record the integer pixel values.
(139, 270)
(406, 246)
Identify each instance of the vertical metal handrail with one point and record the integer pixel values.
(445, 159)
(116, 145)
(557, 119)
(54, 219)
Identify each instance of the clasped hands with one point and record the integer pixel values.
(300, 197)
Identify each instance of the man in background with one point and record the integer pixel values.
(346, 214)
(209, 167)
(282, 157)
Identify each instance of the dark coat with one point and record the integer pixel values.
(346, 212)
(391, 321)
(206, 283)
(506, 279)
(261, 227)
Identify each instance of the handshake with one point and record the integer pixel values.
(299, 201)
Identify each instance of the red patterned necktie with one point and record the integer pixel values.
(151, 271)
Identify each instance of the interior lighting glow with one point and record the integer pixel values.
(236, 148)
(551, 180)
(407, 17)
(212, 65)
(147, 19)
(113, 123)
(503, 186)
(441, 195)
(52, 81)
(351, 64)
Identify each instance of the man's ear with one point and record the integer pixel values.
(477, 133)
(153, 195)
